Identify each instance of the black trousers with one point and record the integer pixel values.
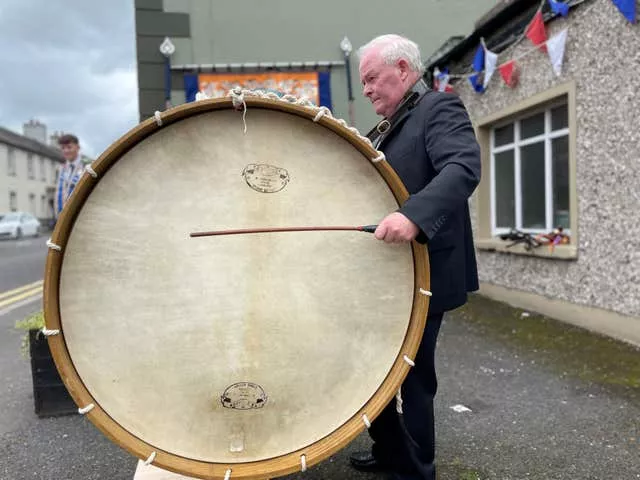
(406, 444)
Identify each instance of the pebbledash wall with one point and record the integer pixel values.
(600, 81)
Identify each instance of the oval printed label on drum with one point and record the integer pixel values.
(244, 396)
(265, 178)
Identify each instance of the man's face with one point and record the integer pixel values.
(383, 84)
(70, 151)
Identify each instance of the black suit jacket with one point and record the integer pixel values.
(434, 150)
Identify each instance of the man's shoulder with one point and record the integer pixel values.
(435, 104)
(435, 97)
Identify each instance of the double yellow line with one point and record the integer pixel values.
(13, 296)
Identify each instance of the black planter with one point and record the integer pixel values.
(50, 396)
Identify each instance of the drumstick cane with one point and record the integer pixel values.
(362, 228)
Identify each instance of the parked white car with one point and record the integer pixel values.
(19, 224)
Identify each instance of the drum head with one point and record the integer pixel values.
(257, 353)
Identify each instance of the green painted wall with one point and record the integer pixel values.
(287, 30)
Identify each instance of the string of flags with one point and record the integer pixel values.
(628, 8)
(485, 62)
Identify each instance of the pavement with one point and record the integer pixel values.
(520, 397)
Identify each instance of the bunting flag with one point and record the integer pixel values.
(509, 73)
(441, 80)
(490, 62)
(536, 32)
(627, 8)
(559, 8)
(484, 60)
(478, 59)
(555, 47)
(190, 86)
(478, 66)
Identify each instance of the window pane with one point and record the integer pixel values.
(559, 118)
(532, 126)
(503, 135)
(560, 156)
(505, 190)
(532, 184)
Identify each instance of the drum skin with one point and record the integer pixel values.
(243, 352)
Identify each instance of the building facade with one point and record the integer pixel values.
(245, 36)
(28, 172)
(560, 151)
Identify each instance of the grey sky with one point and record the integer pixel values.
(70, 64)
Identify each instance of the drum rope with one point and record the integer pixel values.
(303, 462)
(379, 158)
(87, 409)
(227, 474)
(399, 401)
(53, 246)
(239, 94)
(237, 98)
(150, 459)
(158, 117)
(410, 362)
(426, 292)
(48, 333)
(366, 421)
(91, 171)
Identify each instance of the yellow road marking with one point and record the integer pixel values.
(20, 296)
(20, 289)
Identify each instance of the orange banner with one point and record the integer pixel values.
(299, 84)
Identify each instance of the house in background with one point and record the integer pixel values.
(559, 127)
(28, 171)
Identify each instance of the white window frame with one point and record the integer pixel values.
(43, 169)
(546, 137)
(31, 167)
(11, 162)
(13, 201)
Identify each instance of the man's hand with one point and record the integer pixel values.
(396, 228)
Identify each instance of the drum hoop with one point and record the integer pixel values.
(263, 469)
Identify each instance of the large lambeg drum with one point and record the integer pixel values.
(238, 356)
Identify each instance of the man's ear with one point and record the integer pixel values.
(403, 65)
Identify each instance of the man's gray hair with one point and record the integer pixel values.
(395, 47)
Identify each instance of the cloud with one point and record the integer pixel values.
(72, 66)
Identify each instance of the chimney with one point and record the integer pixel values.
(35, 130)
(53, 138)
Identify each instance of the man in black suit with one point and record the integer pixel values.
(430, 142)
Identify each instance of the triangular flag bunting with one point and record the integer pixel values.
(509, 73)
(441, 80)
(627, 8)
(478, 66)
(490, 61)
(478, 59)
(475, 83)
(555, 46)
(559, 8)
(536, 32)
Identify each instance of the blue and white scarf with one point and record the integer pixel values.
(70, 174)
